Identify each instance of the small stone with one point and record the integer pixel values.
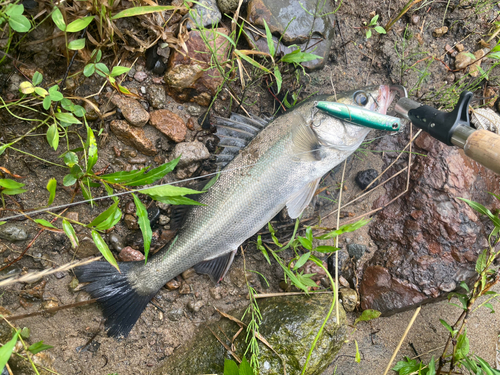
(185, 288)
(175, 315)
(356, 250)
(190, 124)
(440, 31)
(129, 208)
(448, 49)
(117, 151)
(163, 220)
(343, 281)
(86, 248)
(13, 232)
(195, 306)
(364, 178)
(173, 284)
(450, 77)
(132, 110)
(50, 304)
(459, 47)
(60, 275)
(190, 152)
(215, 293)
(183, 173)
(115, 241)
(228, 6)
(474, 68)
(131, 222)
(153, 216)
(138, 160)
(157, 96)
(415, 19)
(169, 124)
(34, 291)
(140, 76)
(349, 298)
(204, 13)
(73, 284)
(133, 137)
(130, 255)
(82, 297)
(462, 60)
(91, 109)
(194, 110)
(189, 273)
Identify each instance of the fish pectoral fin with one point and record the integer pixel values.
(300, 200)
(216, 268)
(306, 144)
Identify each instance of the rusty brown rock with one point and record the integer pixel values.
(190, 76)
(169, 124)
(173, 284)
(130, 255)
(134, 137)
(428, 241)
(132, 110)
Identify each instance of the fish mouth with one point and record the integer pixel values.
(386, 96)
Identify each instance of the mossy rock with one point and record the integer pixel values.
(289, 324)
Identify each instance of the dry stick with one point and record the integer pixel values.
(337, 245)
(53, 309)
(269, 295)
(402, 339)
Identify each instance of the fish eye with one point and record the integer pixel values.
(360, 98)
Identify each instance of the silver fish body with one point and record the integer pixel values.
(280, 167)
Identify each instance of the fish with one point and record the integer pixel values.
(266, 166)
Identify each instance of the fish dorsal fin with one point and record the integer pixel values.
(216, 268)
(300, 200)
(235, 133)
(306, 144)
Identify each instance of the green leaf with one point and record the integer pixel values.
(489, 306)
(344, 229)
(169, 191)
(67, 117)
(79, 24)
(407, 367)
(380, 30)
(104, 249)
(230, 367)
(2, 222)
(44, 223)
(5, 147)
(69, 180)
(358, 354)
(13, 191)
(154, 174)
(67, 104)
(177, 201)
(46, 102)
(51, 187)
(14, 10)
(302, 260)
(212, 181)
(462, 347)
(92, 149)
(482, 261)
(251, 61)
(123, 177)
(37, 78)
(105, 216)
(6, 350)
(53, 136)
(70, 158)
(305, 242)
(39, 346)
(431, 367)
(137, 11)
(481, 209)
(245, 368)
(109, 190)
(448, 327)
(41, 91)
(76, 44)
(89, 70)
(279, 79)
(86, 193)
(144, 224)
(19, 23)
(368, 33)
(485, 366)
(102, 69)
(58, 19)
(10, 184)
(70, 232)
(367, 315)
(79, 111)
(464, 285)
(299, 57)
(374, 20)
(269, 37)
(119, 70)
(326, 249)
(263, 249)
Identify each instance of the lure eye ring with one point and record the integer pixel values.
(360, 98)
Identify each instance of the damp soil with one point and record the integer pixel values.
(80, 345)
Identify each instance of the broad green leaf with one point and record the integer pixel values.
(51, 187)
(177, 201)
(230, 367)
(137, 11)
(70, 232)
(380, 30)
(14, 10)
(367, 315)
(279, 79)
(302, 260)
(104, 215)
(79, 24)
(358, 354)
(41, 91)
(13, 191)
(123, 177)
(92, 149)
(77, 44)
(6, 350)
(46, 102)
(169, 191)
(39, 346)
(67, 117)
(344, 229)
(481, 261)
(10, 184)
(102, 69)
(407, 367)
(326, 249)
(305, 242)
(144, 224)
(489, 306)
(70, 158)
(245, 368)
(2, 222)
(306, 280)
(104, 249)
(67, 104)
(26, 88)
(44, 223)
(485, 366)
(53, 136)
(462, 347)
(481, 209)
(58, 19)
(212, 181)
(19, 23)
(431, 367)
(89, 70)
(79, 111)
(374, 20)
(55, 94)
(118, 70)
(464, 285)
(69, 180)
(448, 327)
(154, 174)
(270, 42)
(368, 33)
(299, 57)
(37, 78)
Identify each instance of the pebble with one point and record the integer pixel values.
(131, 222)
(190, 124)
(86, 248)
(132, 110)
(364, 178)
(349, 298)
(194, 110)
(185, 288)
(129, 208)
(440, 31)
(415, 19)
(462, 60)
(356, 250)
(140, 76)
(13, 232)
(228, 6)
(130, 255)
(91, 109)
(204, 13)
(157, 96)
(195, 306)
(60, 275)
(190, 152)
(189, 273)
(133, 136)
(175, 315)
(163, 220)
(173, 284)
(215, 293)
(138, 160)
(169, 124)
(50, 303)
(459, 47)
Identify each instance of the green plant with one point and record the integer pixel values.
(12, 15)
(9, 187)
(102, 70)
(373, 25)
(231, 367)
(457, 353)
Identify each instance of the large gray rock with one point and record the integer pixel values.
(289, 324)
(13, 232)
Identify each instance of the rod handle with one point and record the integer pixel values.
(483, 146)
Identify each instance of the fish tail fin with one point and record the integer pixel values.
(122, 305)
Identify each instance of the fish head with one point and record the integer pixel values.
(341, 135)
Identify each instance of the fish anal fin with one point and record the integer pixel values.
(300, 200)
(216, 268)
(306, 144)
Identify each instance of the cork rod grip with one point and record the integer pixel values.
(483, 146)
